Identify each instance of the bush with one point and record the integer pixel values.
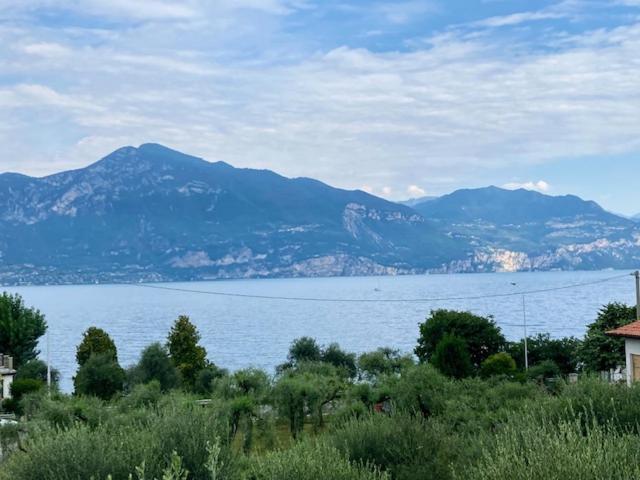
(544, 371)
(19, 388)
(498, 364)
(400, 445)
(121, 443)
(205, 378)
(420, 390)
(452, 358)
(309, 461)
(37, 370)
(525, 449)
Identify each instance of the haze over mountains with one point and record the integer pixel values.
(151, 213)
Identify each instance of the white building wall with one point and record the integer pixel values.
(631, 347)
(6, 385)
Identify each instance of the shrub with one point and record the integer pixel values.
(420, 390)
(309, 461)
(526, 449)
(19, 388)
(117, 447)
(37, 370)
(543, 371)
(405, 447)
(452, 358)
(498, 364)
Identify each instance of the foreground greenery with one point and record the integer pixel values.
(465, 408)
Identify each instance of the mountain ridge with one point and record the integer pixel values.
(155, 214)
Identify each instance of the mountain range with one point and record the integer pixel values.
(154, 214)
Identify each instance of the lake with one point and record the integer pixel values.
(241, 332)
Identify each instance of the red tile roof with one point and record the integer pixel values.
(631, 330)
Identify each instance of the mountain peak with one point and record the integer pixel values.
(147, 155)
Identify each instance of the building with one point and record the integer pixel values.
(631, 335)
(6, 376)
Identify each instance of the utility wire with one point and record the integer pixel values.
(377, 300)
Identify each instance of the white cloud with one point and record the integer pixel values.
(46, 49)
(517, 18)
(539, 186)
(404, 12)
(447, 113)
(415, 191)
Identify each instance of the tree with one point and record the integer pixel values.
(37, 370)
(155, 364)
(562, 351)
(344, 361)
(20, 329)
(187, 355)
(600, 352)
(421, 389)
(498, 364)
(304, 349)
(99, 376)
(95, 341)
(383, 361)
(290, 393)
(452, 358)
(206, 377)
(482, 335)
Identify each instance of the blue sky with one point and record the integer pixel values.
(400, 98)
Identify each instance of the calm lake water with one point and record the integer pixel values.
(242, 332)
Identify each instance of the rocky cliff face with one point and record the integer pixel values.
(524, 230)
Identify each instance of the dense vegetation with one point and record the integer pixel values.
(464, 409)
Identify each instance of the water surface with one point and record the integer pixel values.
(242, 332)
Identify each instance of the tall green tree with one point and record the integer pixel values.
(155, 364)
(99, 376)
(541, 347)
(600, 352)
(20, 329)
(95, 341)
(452, 357)
(482, 336)
(187, 355)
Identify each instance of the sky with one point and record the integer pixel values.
(402, 99)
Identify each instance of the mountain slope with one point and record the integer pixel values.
(522, 229)
(154, 213)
